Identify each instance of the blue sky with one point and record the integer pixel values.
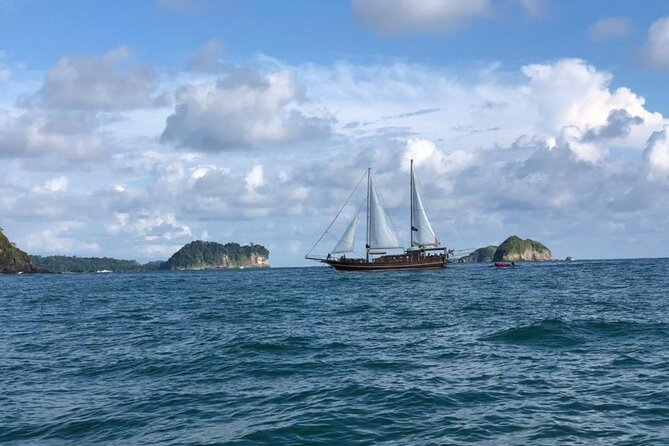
(128, 128)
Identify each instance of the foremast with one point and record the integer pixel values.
(412, 228)
(369, 201)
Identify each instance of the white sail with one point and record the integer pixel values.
(421, 231)
(381, 235)
(347, 241)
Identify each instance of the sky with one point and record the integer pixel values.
(129, 128)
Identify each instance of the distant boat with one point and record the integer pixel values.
(504, 265)
(425, 250)
(569, 259)
(103, 271)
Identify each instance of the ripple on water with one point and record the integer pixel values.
(547, 354)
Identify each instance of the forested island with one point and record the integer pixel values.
(75, 264)
(12, 259)
(212, 255)
(513, 249)
(195, 255)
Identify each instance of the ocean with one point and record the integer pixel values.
(547, 353)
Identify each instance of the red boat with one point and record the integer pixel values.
(504, 265)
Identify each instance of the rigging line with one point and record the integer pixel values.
(356, 214)
(335, 218)
(425, 208)
(468, 250)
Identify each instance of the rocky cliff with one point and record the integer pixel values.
(212, 255)
(12, 259)
(515, 249)
(480, 255)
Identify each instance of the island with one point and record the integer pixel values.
(212, 255)
(12, 259)
(513, 249)
(485, 254)
(193, 256)
(75, 264)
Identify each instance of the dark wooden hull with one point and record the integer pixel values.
(433, 262)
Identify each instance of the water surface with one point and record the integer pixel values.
(550, 353)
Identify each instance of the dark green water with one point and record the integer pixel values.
(559, 353)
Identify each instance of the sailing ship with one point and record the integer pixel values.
(425, 250)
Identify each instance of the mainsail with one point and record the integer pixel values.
(347, 241)
(380, 233)
(422, 233)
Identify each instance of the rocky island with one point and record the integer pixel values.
(513, 249)
(212, 255)
(12, 259)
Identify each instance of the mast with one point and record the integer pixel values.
(411, 206)
(369, 192)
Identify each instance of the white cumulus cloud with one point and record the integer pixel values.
(112, 81)
(657, 154)
(244, 109)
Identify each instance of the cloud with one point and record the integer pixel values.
(83, 110)
(415, 113)
(410, 16)
(618, 125)
(110, 82)
(401, 17)
(243, 110)
(655, 52)
(572, 92)
(535, 8)
(58, 184)
(5, 75)
(41, 134)
(58, 240)
(611, 28)
(255, 178)
(496, 107)
(152, 227)
(656, 154)
(207, 58)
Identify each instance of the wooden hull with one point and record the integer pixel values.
(432, 262)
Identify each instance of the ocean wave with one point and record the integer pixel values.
(560, 333)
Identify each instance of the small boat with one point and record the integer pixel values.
(504, 265)
(425, 250)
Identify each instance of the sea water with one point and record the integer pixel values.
(546, 353)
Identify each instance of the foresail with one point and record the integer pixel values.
(381, 234)
(347, 241)
(421, 232)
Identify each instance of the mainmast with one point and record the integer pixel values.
(411, 229)
(369, 192)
